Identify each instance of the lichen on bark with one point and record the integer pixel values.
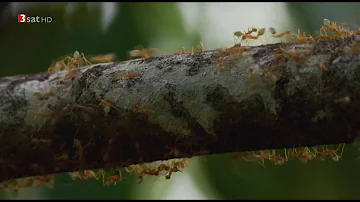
(261, 98)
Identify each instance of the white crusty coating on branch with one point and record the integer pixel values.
(148, 89)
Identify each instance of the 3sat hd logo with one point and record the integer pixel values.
(23, 18)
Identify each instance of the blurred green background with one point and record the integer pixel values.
(101, 28)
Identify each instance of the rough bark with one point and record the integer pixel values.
(263, 99)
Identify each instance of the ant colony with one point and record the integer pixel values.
(302, 154)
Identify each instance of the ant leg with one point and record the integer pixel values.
(266, 39)
(64, 65)
(272, 40)
(334, 155)
(255, 43)
(98, 174)
(261, 162)
(65, 62)
(337, 149)
(67, 68)
(294, 152)
(321, 31)
(86, 61)
(274, 152)
(51, 70)
(261, 41)
(315, 149)
(342, 150)
(325, 148)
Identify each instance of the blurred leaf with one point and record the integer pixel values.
(238, 179)
(310, 15)
(3, 6)
(300, 18)
(66, 188)
(30, 48)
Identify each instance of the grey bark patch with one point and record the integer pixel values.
(265, 51)
(90, 76)
(87, 78)
(15, 81)
(217, 96)
(155, 58)
(357, 72)
(279, 92)
(132, 81)
(177, 106)
(238, 120)
(259, 53)
(14, 105)
(196, 63)
(329, 46)
(194, 69)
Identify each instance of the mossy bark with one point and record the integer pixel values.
(264, 98)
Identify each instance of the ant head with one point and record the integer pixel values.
(272, 30)
(76, 54)
(327, 22)
(261, 31)
(238, 33)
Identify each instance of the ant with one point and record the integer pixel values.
(332, 153)
(293, 55)
(142, 52)
(200, 47)
(303, 38)
(255, 157)
(78, 60)
(252, 75)
(337, 30)
(138, 170)
(130, 75)
(322, 66)
(58, 66)
(274, 35)
(177, 167)
(140, 108)
(69, 63)
(304, 155)
(107, 106)
(86, 174)
(345, 99)
(248, 35)
(282, 34)
(184, 51)
(45, 94)
(278, 160)
(113, 179)
(44, 180)
(219, 64)
(103, 58)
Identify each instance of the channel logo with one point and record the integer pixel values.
(23, 18)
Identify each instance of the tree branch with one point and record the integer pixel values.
(262, 97)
